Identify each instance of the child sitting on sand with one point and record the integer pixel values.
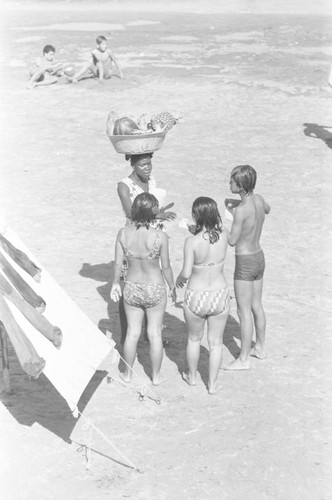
(45, 70)
(101, 64)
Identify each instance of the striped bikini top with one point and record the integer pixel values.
(209, 264)
(153, 254)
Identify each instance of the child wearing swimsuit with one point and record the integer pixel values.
(206, 299)
(146, 250)
(248, 219)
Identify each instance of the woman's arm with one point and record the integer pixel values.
(188, 262)
(116, 288)
(123, 192)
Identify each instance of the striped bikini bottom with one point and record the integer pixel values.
(204, 303)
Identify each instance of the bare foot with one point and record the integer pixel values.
(214, 389)
(187, 378)
(158, 379)
(126, 377)
(257, 353)
(238, 365)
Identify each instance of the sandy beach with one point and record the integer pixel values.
(250, 80)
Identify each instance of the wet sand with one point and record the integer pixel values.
(251, 84)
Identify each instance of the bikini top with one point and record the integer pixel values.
(153, 254)
(209, 264)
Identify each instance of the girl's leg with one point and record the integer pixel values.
(154, 318)
(195, 326)
(244, 295)
(260, 321)
(134, 319)
(216, 327)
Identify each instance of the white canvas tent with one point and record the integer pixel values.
(71, 366)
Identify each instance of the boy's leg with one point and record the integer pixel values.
(47, 80)
(244, 295)
(87, 70)
(260, 321)
(195, 326)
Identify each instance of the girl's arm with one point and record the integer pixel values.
(188, 262)
(116, 288)
(166, 265)
(123, 192)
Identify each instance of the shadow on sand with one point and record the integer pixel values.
(174, 329)
(37, 401)
(322, 132)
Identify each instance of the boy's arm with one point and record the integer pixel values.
(113, 58)
(267, 208)
(236, 228)
(37, 70)
(98, 63)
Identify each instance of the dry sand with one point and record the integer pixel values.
(246, 78)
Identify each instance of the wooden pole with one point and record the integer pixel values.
(5, 359)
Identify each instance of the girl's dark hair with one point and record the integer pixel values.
(144, 210)
(206, 214)
(244, 177)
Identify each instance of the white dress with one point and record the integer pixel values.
(135, 190)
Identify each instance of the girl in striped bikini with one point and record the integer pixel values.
(206, 298)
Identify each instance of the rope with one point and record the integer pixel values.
(142, 392)
(90, 425)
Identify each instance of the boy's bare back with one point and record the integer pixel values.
(249, 218)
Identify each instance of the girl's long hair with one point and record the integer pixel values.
(144, 210)
(206, 215)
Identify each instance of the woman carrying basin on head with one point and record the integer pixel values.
(146, 250)
(139, 181)
(206, 298)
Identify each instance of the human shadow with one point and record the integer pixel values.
(322, 132)
(174, 329)
(37, 401)
(105, 273)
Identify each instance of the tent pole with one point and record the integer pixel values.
(5, 359)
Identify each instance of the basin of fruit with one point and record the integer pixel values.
(145, 134)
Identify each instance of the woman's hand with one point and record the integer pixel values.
(180, 281)
(166, 215)
(116, 292)
(172, 295)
